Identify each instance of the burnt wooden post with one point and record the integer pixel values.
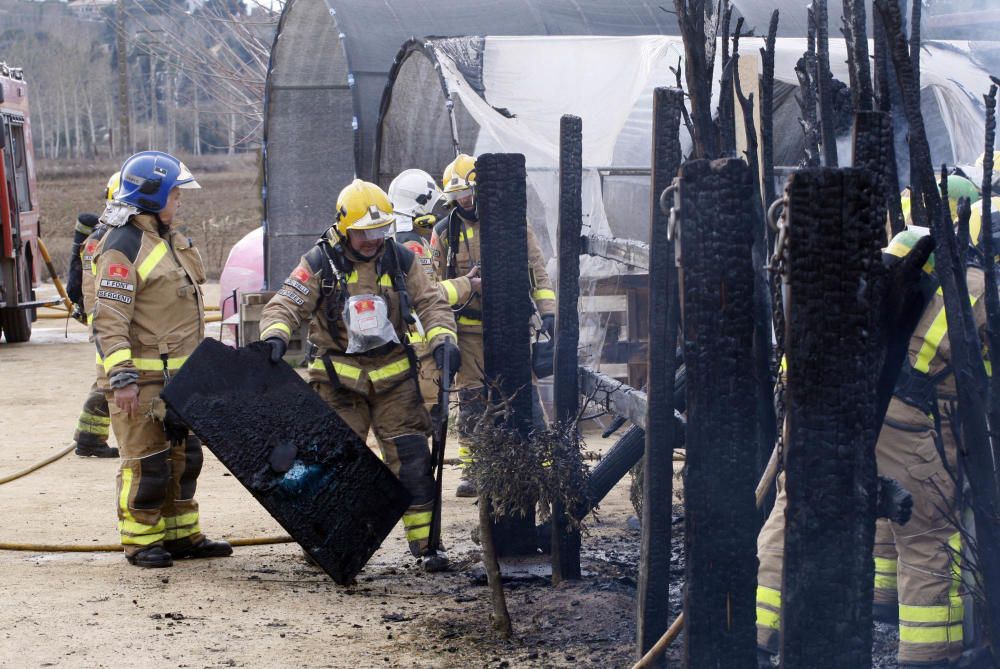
(767, 118)
(883, 100)
(566, 542)
(872, 135)
(654, 564)
(502, 200)
(834, 239)
(716, 235)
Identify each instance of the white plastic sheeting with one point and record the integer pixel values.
(523, 85)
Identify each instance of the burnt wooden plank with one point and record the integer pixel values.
(336, 499)
(501, 195)
(836, 279)
(717, 225)
(654, 564)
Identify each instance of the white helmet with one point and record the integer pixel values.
(414, 193)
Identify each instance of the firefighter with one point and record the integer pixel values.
(149, 316)
(417, 203)
(923, 571)
(455, 244)
(94, 424)
(358, 289)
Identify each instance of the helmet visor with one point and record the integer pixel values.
(185, 179)
(372, 234)
(459, 194)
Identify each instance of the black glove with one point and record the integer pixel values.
(278, 348)
(549, 324)
(74, 278)
(176, 429)
(448, 350)
(894, 501)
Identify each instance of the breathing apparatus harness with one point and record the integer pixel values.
(334, 294)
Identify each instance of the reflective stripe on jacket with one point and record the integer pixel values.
(468, 255)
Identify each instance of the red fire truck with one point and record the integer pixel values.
(18, 210)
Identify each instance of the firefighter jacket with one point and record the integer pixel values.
(469, 311)
(149, 313)
(460, 286)
(317, 290)
(927, 376)
(85, 224)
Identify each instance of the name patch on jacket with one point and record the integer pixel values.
(297, 286)
(120, 285)
(125, 299)
(292, 296)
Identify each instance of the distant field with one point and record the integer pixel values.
(216, 217)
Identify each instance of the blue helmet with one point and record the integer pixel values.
(148, 177)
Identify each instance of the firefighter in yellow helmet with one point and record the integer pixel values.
(359, 289)
(919, 562)
(94, 423)
(149, 316)
(455, 244)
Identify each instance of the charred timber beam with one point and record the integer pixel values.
(502, 200)
(699, 61)
(626, 251)
(566, 542)
(830, 455)
(654, 563)
(856, 34)
(824, 85)
(925, 201)
(976, 453)
(766, 422)
(614, 396)
(884, 104)
(767, 115)
(716, 236)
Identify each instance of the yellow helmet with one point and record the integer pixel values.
(976, 220)
(459, 177)
(113, 183)
(363, 206)
(982, 157)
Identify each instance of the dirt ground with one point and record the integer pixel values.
(264, 606)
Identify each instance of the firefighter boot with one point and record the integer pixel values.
(152, 557)
(466, 488)
(764, 659)
(206, 548)
(432, 561)
(95, 450)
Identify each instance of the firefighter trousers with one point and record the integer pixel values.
(94, 423)
(472, 392)
(401, 424)
(927, 575)
(156, 480)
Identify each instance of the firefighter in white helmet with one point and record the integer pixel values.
(418, 203)
(360, 290)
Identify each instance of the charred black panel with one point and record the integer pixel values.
(717, 220)
(502, 204)
(337, 499)
(836, 278)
